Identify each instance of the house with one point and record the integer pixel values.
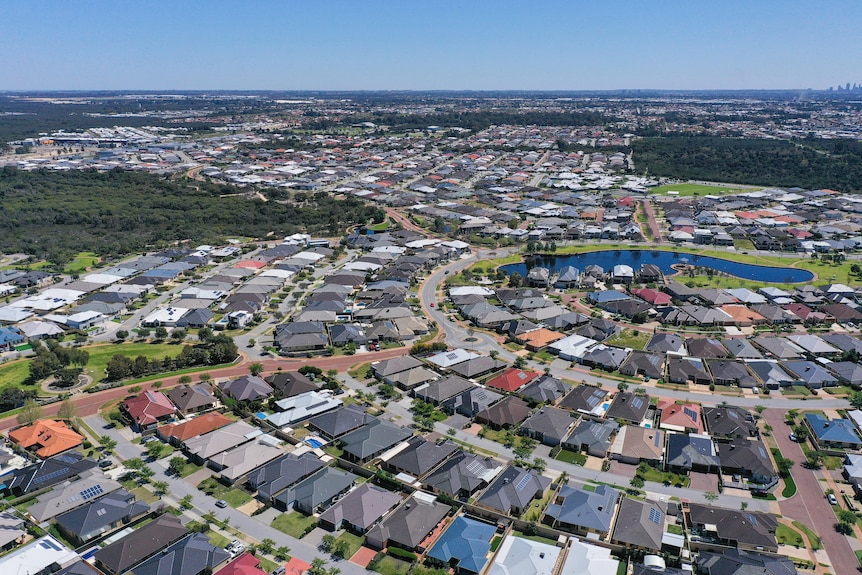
(852, 471)
(334, 424)
(46, 473)
(513, 490)
(811, 374)
(506, 413)
(40, 557)
(832, 434)
(728, 372)
(68, 495)
(192, 555)
(10, 337)
(372, 439)
(847, 372)
(301, 407)
(446, 359)
(519, 556)
(46, 437)
(629, 407)
(317, 492)
(580, 511)
(342, 334)
(705, 348)
(635, 445)
(813, 345)
(462, 475)
(102, 516)
(12, 531)
(245, 564)
(178, 433)
(681, 417)
(148, 409)
(745, 530)
(465, 545)
(281, 473)
(290, 383)
(639, 524)
(748, 459)
(203, 447)
(385, 370)
(687, 369)
(359, 510)
(730, 423)
(413, 378)
(142, 543)
(647, 364)
(548, 425)
(586, 399)
(538, 277)
(442, 390)
(606, 357)
(545, 389)
(236, 463)
(472, 401)
(246, 388)
(778, 347)
(669, 343)
(692, 452)
(410, 524)
(592, 437)
(477, 367)
(740, 562)
(742, 349)
(192, 398)
(420, 456)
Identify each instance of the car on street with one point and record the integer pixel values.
(221, 503)
(793, 437)
(832, 499)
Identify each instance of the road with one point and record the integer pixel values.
(809, 505)
(646, 205)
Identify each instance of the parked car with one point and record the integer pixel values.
(793, 437)
(832, 499)
(221, 503)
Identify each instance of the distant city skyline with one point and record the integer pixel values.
(446, 45)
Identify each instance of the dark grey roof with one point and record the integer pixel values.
(545, 389)
(639, 523)
(290, 383)
(512, 491)
(421, 456)
(96, 517)
(628, 406)
(47, 473)
(374, 438)
(579, 508)
(190, 556)
(283, 472)
(507, 412)
(742, 348)
(664, 342)
(463, 473)
(473, 400)
(477, 366)
(705, 347)
(362, 507)
(410, 523)
(340, 421)
(246, 388)
(316, 489)
(145, 541)
(592, 436)
(690, 451)
(189, 397)
(388, 367)
(549, 422)
(584, 398)
(729, 422)
(739, 562)
(750, 528)
(746, 456)
(443, 389)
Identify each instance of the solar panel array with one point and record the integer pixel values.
(91, 492)
(523, 482)
(637, 402)
(49, 476)
(655, 516)
(594, 399)
(690, 413)
(475, 467)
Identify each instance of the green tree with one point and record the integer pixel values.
(161, 488)
(282, 553)
(30, 412)
(515, 280)
(186, 502)
(155, 449)
(266, 546)
(622, 386)
(184, 379)
(710, 496)
(855, 399)
(161, 332)
(177, 465)
(122, 334)
(108, 444)
(520, 362)
(67, 410)
(255, 369)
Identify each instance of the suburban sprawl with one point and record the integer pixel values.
(429, 334)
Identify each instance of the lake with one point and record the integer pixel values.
(607, 259)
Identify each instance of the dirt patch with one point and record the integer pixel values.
(474, 429)
(703, 482)
(250, 507)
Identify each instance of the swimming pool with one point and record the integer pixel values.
(314, 442)
(665, 260)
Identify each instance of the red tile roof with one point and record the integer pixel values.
(50, 436)
(512, 379)
(149, 407)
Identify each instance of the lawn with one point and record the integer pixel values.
(354, 542)
(838, 390)
(800, 390)
(233, 496)
(789, 536)
(630, 338)
(650, 473)
(360, 372)
(294, 523)
(217, 539)
(789, 487)
(698, 189)
(571, 457)
(675, 529)
(82, 262)
(392, 566)
(813, 538)
(14, 373)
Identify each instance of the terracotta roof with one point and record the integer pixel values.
(512, 379)
(540, 337)
(194, 427)
(149, 407)
(51, 436)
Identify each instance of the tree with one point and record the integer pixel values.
(855, 400)
(161, 488)
(759, 409)
(204, 334)
(846, 516)
(743, 506)
(177, 465)
(282, 553)
(255, 369)
(784, 465)
(637, 482)
(340, 548)
(67, 410)
(622, 386)
(494, 354)
(710, 496)
(145, 474)
(155, 449)
(161, 332)
(30, 412)
(108, 444)
(122, 334)
(266, 546)
(178, 334)
(539, 464)
(813, 460)
(185, 379)
(801, 433)
(515, 280)
(520, 362)
(844, 528)
(186, 502)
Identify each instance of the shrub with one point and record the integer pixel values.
(399, 553)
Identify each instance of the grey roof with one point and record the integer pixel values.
(688, 451)
(421, 456)
(372, 439)
(847, 372)
(666, 342)
(317, 489)
(473, 400)
(362, 507)
(545, 389)
(746, 456)
(729, 422)
(813, 374)
(441, 390)
(628, 406)
(141, 543)
(290, 383)
(190, 397)
(639, 523)
(190, 556)
(283, 472)
(592, 435)
(340, 421)
(512, 491)
(48, 472)
(246, 388)
(730, 371)
(463, 473)
(584, 398)
(388, 367)
(705, 347)
(644, 363)
(551, 423)
(779, 347)
(740, 562)
(96, 518)
(581, 509)
(742, 348)
(509, 411)
(477, 366)
(410, 523)
(69, 495)
(750, 528)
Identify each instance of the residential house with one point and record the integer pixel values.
(386, 369)
(636, 445)
(639, 525)
(13, 532)
(730, 423)
(148, 409)
(142, 543)
(462, 475)
(647, 364)
(201, 448)
(192, 555)
(681, 417)
(372, 440)
(745, 530)
(505, 414)
(46, 437)
(548, 425)
(728, 372)
(178, 433)
(586, 399)
(691, 452)
(410, 524)
(442, 390)
(46, 473)
(472, 401)
(68, 495)
(317, 492)
(832, 434)
(282, 473)
(101, 516)
(478, 367)
(334, 424)
(290, 383)
(749, 460)
(629, 407)
(192, 398)
(513, 490)
(740, 562)
(687, 369)
(669, 343)
(420, 456)
(246, 388)
(466, 545)
(546, 389)
(591, 437)
(233, 465)
(580, 511)
(301, 407)
(359, 510)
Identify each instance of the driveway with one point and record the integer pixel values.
(703, 482)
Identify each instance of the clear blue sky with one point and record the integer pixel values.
(429, 44)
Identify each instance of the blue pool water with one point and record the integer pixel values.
(314, 443)
(260, 415)
(664, 260)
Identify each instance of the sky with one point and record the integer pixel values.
(429, 44)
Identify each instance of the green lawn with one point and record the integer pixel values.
(800, 390)
(392, 566)
(354, 542)
(82, 262)
(293, 523)
(789, 487)
(789, 536)
(360, 372)
(699, 189)
(813, 538)
(217, 539)
(14, 372)
(571, 457)
(630, 338)
(650, 473)
(674, 528)
(233, 496)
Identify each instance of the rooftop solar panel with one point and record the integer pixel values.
(655, 516)
(637, 403)
(523, 482)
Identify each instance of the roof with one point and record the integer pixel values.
(246, 388)
(680, 416)
(477, 366)
(37, 557)
(729, 421)
(463, 473)
(190, 556)
(746, 456)
(585, 398)
(628, 406)
(373, 438)
(518, 556)
(512, 379)
(48, 472)
(362, 507)
(639, 523)
(592, 434)
(300, 407)
(281, 473)
(49, 436)
(98, 516)
(740, 562)
(389, 367)
(222, 439)
(196, 426)
(513, 490)
(317, 489)
(832, 431)
(589, 510)
(411, 522)
(243, 459)
(750, 528)
(71, 494)
(466, 540)
(443, 389)
(421, 456)
(642, 443)
(545, 389)
(141, 543)
(245, 564)
(340, 421)
(688, 451)
(191, 397)
(149, 407)
(551, 422)
(509, 411)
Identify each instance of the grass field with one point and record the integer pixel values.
(293, 523)
(14, 372)
(813, 538)
(630, 338)
(697, 189)
(392, 566)
(354, 542)
(789, 536)
(571, 457)
(82, 262)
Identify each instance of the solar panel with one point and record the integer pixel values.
(451, 356)
(50, 476)
(692, 414)
(523, 482)
(475, 467)
(655, 516)
(637, 403)
(91, 492)
(593, 401)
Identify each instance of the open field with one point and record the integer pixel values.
(82, 262)
(698, 189)
(630, 338)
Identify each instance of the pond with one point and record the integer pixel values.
(607, 259)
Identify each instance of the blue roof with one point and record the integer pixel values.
(466, 540)
(834, 431)
(10, 335)
(607, 296)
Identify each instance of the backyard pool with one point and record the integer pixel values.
(665, 260)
